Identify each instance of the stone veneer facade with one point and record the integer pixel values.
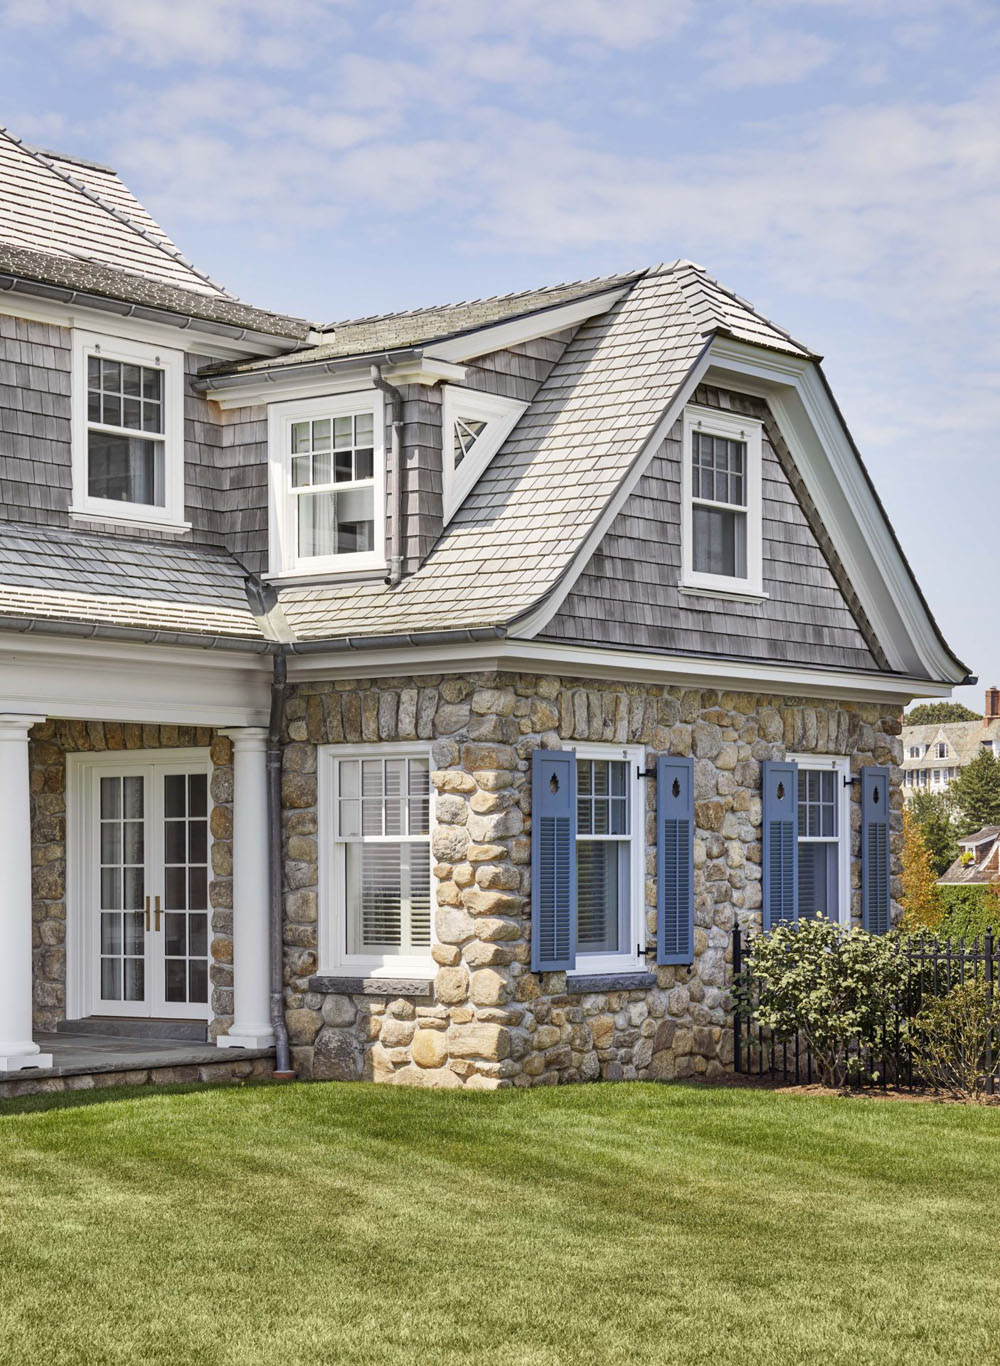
(487, 1020)
(50, 742)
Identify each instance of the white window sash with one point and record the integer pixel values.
(334, 955)
(733, 427)
(841, 766)
(284, 559)
(170, 514)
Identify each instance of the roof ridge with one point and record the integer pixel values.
(168, 250)
(693, 267)
(485, 299)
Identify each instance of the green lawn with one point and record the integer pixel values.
(601, 1224)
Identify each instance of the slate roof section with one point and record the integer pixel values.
(977, 871)
(423, 326)
(523, 523)
(965, 740)
(119, 581)
(60, 208)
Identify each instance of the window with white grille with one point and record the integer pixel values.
(609, 921)
(377, 885)
(823, 827)
(721, 483)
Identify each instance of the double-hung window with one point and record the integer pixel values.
(327, 484)
(823, 835)
(375, 861)
(128, 431)
(609, 860)
(721, 487)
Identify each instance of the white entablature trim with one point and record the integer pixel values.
(589, 661)
(823, 451)
(285, 385)
(186, 337)
(109, 681)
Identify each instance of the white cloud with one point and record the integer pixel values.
(745, 52)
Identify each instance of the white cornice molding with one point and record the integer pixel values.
(187, 338)
(589, 661)
(284, 385)
(542, 323)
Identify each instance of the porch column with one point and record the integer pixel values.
(17, 1049)
(251, 1027)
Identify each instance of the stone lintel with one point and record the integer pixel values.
(372, 986)
(610, 981)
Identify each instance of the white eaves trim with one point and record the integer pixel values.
(500, 414)
(285, 385)
(529, 327)
(848, 508)
(590, 661)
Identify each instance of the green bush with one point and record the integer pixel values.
(835, 987)
(967, 912)
(952, 1038)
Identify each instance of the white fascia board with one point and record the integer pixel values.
(110, 681)
(848, 508)
(183, 338)
(588, 661)
(531, 326)
(276, 386)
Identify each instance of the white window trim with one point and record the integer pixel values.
(841, 765)
(594, 964)
(283, 559)
(501, 416)
(334, 960)
(171, 516)
(736, 428)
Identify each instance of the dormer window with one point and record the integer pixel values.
(941, 749)
(722, 503)
(327, 466)
(474, 427)
(128, 432)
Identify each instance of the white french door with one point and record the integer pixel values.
(143, 917)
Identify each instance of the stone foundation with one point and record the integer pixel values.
(220, 1073)
(486, 1020)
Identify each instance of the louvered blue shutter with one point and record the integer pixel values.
(875, 898)
(780, 784)
(674, 860)
(553, 860)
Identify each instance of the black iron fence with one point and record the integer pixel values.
(933, 967)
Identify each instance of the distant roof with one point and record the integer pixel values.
(988, 832)
(119, 581)
(965, 872)
(964, 739)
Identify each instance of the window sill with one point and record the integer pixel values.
(171, 528)
(372, 986)
(699, 590)
(584, 984)
(373, 574)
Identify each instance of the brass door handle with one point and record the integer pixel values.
(147, 915)
(157, 912)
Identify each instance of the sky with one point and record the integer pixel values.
(836, 162)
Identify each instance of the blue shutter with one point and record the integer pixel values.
(674, 860)
(875, 849)
(553, 860)
(780, 784)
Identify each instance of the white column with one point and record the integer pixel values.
(251, 1027)
(17, 1049)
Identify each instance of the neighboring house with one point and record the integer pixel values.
(934, 755)
(579, 624)
(979, 861)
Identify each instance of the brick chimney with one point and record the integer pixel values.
(992, 712)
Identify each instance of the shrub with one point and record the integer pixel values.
(921, 904)
(967, 912)
(835, 987)
(951, 1040)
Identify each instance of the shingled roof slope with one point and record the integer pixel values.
(120, 581)
(422, 326)
(59, 208)
(528, 515)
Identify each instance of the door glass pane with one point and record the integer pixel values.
(198, 981)
(111, 979)
(175, 885)
(175, 934)
(135, 979)
(198, 794)
(174, 841)
(198, 934)
(176, 984)
(111, 798)
(173, 795)
(134, 798)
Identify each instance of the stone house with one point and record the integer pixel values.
(420, 698)
(935, 754)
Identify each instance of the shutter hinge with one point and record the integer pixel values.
(645, 772)
(850, 780)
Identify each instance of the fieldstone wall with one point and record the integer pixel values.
(485, 1020)
(49, 743)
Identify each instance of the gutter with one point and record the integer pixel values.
(272, 374)
(395, 474)
(63, 294)
(54, 626)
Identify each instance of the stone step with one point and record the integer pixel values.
(116, 1027)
